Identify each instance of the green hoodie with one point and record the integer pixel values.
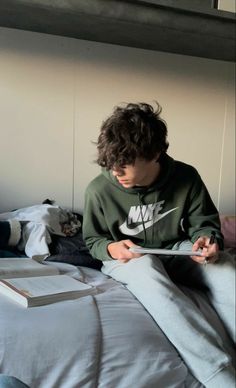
(176, 207)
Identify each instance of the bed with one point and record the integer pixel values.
(106, 340)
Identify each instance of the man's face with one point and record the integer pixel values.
(141, 173)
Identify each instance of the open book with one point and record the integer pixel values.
(166, 252)
(33, 284)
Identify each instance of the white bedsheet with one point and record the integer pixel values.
(106, 341)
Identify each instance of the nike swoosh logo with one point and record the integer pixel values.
(125, 229)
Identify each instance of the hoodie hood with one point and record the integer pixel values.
(167, 169)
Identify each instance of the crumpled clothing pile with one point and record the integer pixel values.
(37, 223)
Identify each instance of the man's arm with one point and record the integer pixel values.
(203, 220)
(95, 232)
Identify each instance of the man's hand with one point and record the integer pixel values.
(120, 251)
(209, 251)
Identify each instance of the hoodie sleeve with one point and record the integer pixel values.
(202, 215)
(95, 231)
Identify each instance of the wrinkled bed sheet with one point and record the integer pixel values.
(107, 341)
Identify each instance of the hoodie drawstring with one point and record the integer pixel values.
(142, 218)
(141, 204)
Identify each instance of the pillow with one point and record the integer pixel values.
(228, 228)
(72, 250)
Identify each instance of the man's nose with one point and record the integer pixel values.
(117, 172)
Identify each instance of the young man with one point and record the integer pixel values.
(143, 197)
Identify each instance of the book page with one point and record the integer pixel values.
(24, 267)
(166, 252)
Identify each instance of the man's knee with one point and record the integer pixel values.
(134, 268)
(145, 265)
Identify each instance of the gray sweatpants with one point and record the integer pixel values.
(153, 281)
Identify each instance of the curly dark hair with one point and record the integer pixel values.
(133, 131)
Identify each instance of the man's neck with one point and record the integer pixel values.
(153, 175)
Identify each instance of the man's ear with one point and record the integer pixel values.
(158, 156)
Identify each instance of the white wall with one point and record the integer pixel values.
(227, 5)
(55, 92)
